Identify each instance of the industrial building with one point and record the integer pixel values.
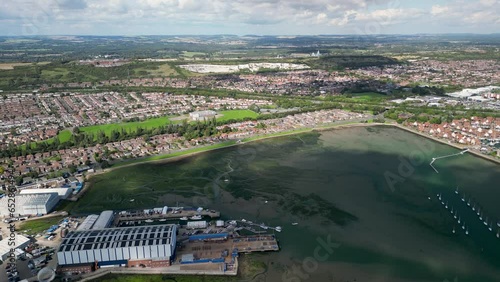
(95, 221)
(88, 222)
(30, 204)
(104, 221)
(63, 193)
(21, 243)
(149, 246)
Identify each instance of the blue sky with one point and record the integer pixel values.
(284, 17)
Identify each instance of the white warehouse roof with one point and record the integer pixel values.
(21, 242)
(29, 204)
(63, 193)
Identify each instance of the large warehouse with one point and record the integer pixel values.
(63, 193)
(30, 204)
(150, 246)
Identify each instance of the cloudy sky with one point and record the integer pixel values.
(283, 17)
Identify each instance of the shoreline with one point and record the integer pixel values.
(454, 145)
(198, 150)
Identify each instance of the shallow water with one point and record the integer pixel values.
(360, 197)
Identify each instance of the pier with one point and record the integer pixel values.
(262, 225)
(447, 156)
(173, 214)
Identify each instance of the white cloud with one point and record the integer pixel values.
(282, 16)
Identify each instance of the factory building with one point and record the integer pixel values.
(30, 204)
(88, 222)
(63, 193)
(104, 221)
(144, 246)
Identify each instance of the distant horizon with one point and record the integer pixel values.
(265, 17)
(254, 35)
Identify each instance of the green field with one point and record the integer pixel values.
(237, 115)
(39, 225)
(65, 135)
(127, 126)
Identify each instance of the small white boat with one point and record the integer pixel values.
(183, 218)
(446, 206)
(243, 220)
(458, 219)
(295, 223)
(163, 219)
(456, 190)
(498, 223)
(463, 227)
(132, 200)
(149, 220)
(453, 230)
(196, 217)
(490, 228)
(467, 231)
(278, 228)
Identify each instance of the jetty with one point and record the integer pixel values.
(447, 156)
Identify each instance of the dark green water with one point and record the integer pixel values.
(352, 224)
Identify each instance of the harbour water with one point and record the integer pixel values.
(356, 204)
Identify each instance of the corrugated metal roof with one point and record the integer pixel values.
(104, 220)
(118, 237)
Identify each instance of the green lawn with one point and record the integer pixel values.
(39, 225)
(150, 123)
(237, 114)
(127, 126)
(64, 136)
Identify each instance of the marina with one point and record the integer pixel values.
(474, 210)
